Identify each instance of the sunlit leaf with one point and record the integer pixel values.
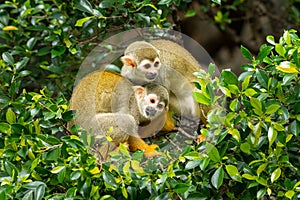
(275, 174)
(10, 28)
(272, 135)
(287, 67)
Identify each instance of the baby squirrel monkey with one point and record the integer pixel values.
(108, 104)
(169, 64)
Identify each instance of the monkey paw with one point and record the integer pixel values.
(151, 151)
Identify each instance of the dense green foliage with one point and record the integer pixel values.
(252, 133)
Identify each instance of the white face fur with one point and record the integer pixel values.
(150, 105)
(150, 68)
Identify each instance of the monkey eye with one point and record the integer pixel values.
(147, 66)
(156, 64)
(152, 101)
(160, 106)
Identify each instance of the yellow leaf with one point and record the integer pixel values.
(287, 67)
(136, 167)
(269, 191)
(10, 28)
(67, 42)
(95, 170)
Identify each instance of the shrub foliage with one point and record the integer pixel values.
(252, 135)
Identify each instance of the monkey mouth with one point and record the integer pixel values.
(150, 111)
(151, 76)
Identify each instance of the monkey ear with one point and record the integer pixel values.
(128, 61)
(139, 92)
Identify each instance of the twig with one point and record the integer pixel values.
(185, 133)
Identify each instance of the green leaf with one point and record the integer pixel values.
(234, 89)
(201, 98)
(109, 180)
(272, 135)
(246, 82)
(235, 134)
(8, 58)
(211, 69)
(261, 181)
(280, 50)
(272, 108)
(31, 42)
(4, 127)
(57, 169)
(38, 187)
(124, 192)
(250, 92)
(164, 2)
(232, 170)
(245, 147)
(53, 154)
(58, 50)
(228, 78)
(256, 104)
(21, 64)
(212, 152)
(181, 188)
(49, 115)
(261, 168)
(106, 4)
(246, 53)
(126, 169)
(75, 175)
(270, 39)
(257, 132)
(192, 164)
(137, 167)
(235, 105)
(123, 149)
(84, 5)
(287, 37)
(190, 13)
(10, 116)
(216, 1)
(217, 178)
(264, 52)
(289, 194)
(80, 22)
(275, 174)
(262, 78)
(249, 177)
(261, 193)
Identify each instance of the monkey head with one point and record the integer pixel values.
(152, 100)
(141, 61)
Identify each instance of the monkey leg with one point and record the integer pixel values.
(138, 143)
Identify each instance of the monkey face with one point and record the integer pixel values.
(154, 106)
(149, 68)
(152, 100)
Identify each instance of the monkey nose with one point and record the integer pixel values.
(150, 111)
(151, 75)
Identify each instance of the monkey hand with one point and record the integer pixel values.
(151, 151)
(138, 143)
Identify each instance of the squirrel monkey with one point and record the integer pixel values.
(108, 104)
(169, 64)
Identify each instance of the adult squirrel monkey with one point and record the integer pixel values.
(107, 104)
(169, 64)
